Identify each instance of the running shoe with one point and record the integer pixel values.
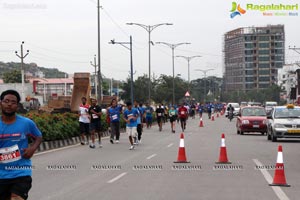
(92, 146)
(131, 147)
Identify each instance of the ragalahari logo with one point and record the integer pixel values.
(236, 10)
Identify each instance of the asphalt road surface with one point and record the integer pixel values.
(149, 172)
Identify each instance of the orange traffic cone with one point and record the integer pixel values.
(223, 153)
(181, 152)
(218, 114)
(201, 123)
(279, 177)
(212, 117)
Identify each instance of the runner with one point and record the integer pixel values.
(159, 116)
(15, 153)
(200, 110)
(149, 113)
(84, 121)
(183, 113)
(114, 114)
(95, 112)
(140, 122)
(173, 116)
(130, 117)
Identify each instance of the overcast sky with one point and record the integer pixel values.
(63, 33)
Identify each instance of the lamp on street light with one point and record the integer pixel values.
(173, 46)
(149, 29)
(188, 59)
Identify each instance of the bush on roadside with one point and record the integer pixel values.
(62, 125)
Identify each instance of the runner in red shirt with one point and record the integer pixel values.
(182, 113)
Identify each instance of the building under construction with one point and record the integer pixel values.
(252, 56)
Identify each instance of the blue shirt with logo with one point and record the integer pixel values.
(114, 113)
(129, 114)
(13, 141)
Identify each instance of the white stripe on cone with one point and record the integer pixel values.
(279, 158)
(223, 142)
(181, 144)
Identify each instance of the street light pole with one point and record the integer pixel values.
(173, 46)
(131, 63)
(204, 72)
(99, 77)
(96, 81)
(188, 59)
(149, 29)
(22, 69)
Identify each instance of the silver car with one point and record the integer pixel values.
(284, 122)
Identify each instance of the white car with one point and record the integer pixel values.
(284, 122)
(236, 107)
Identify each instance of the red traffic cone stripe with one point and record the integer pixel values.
(279, 176)
(212, 117)
(181, 152)
(223, 152)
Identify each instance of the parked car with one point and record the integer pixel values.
(252, 119)
(236, 107)
(284, 122)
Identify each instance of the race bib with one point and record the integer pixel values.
(182, 112)
(130, 116)
(95, 116)
(10, 154)
(114, 117)
(159, 114)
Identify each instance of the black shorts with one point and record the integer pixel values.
(95, 126)
(173, 119)
(19, 186)
(182, 119)
(159, 119)
(84, 127)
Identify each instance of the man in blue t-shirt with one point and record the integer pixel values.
(15, 153)
(149, 111)
(114, 112)
(130, 117)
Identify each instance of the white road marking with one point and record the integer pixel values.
(149, 157)
(278, 191)
(170, 145)
(117, 178)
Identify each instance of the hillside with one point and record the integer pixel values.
(31, 68)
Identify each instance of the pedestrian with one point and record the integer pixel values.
(84, 121)
(15, 153)
(114, 113)
(95, 112)
(149, 113)
(173, 117)
(140, 109)
(183, 114)
(130, 117)
(160, 112)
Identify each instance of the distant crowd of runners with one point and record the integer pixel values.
(135, 116)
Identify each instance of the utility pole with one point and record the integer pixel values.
(131, 62)
(22, 69)
(173, 46)
(99, 56)
(188, 59)
(96, 77)
(149, 29)
(204, 72)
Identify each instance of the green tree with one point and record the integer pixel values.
(13, 76)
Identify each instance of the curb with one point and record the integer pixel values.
(49, 145)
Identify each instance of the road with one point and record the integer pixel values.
(149, 171)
